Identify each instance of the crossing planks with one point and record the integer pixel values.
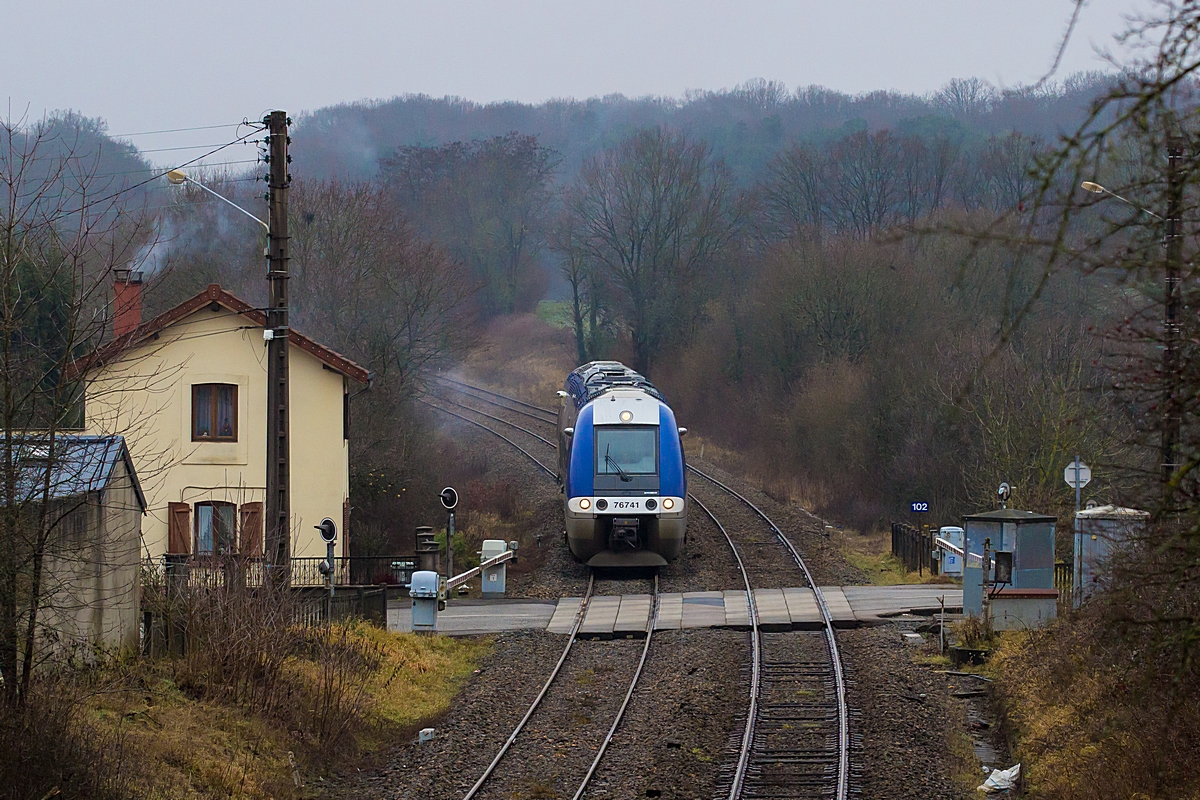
(790, 608)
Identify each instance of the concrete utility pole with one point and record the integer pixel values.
(279, 506)
(1170, 363)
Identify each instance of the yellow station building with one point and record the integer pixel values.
(188, 391)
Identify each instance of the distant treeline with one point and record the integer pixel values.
(746, 126)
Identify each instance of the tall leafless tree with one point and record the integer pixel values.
(655, 214)
(62, 232)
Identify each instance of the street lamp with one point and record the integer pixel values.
(1096, 188)
(278, 474)
(177, 177)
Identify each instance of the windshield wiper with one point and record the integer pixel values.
(612, 462)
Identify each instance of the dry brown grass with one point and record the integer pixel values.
(524, 357)
(354, 688)
(255, 705)
(1096, 717)
(872, 554)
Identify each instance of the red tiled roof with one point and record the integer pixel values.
(113, 349)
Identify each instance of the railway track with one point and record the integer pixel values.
(581, 790)
(795, 743)
(490, 772)
(796, 739)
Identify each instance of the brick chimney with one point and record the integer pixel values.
(127, 301)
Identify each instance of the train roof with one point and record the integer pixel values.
(587, 382)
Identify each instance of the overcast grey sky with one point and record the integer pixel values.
(152, 64)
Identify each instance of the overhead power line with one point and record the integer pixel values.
(184, 147)
(177, 130)
(159, 169)
(155, 176)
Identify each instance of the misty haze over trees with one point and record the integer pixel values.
(745, 248)
(746, 126)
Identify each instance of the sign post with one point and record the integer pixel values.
(1077, 475)
(449, 499)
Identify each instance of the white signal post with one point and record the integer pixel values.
(1077, 475)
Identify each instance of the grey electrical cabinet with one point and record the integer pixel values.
(425, 591)
(1099, 533)
(492, 579)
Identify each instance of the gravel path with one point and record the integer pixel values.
(681, 718)
(468, 736)
(552, 754)
(807, 532)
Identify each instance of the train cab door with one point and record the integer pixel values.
(566, 419)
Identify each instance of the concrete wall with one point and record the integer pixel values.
(1022, 613)
(147, 396)
(92, 575)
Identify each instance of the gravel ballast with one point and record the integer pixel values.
(903, 718)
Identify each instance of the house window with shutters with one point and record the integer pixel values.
(214, 412)
(216, 528)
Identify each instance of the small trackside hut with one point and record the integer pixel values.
(1008, 571)
(621, 469)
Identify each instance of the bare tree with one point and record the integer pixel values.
(795, 193)
(367, 285)
(60, 239)
(487, 202)
(654, 214)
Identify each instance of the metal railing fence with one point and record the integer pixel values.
(305, 572)
(914, 548)
(362, 602)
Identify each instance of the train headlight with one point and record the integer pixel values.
(668, 503)
(651, 504)
(626, 416)
(584, 503)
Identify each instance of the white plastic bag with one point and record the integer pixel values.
(1001, 779)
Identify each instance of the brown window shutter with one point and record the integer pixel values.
(252, 528)
(179, 528)
(346, 527)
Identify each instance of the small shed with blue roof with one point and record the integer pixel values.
(92, 561)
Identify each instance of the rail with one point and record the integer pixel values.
(512, 737)
(739, 775)
(515, 401)
(843, 738)
(513, 425)
(650, 625)
(843, 714)
(528, 455)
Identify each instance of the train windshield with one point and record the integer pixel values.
(626, 451)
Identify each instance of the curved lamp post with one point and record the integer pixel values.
(178, 177)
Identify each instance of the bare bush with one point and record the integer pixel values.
(245, 647)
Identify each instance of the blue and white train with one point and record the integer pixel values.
(621, 467)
